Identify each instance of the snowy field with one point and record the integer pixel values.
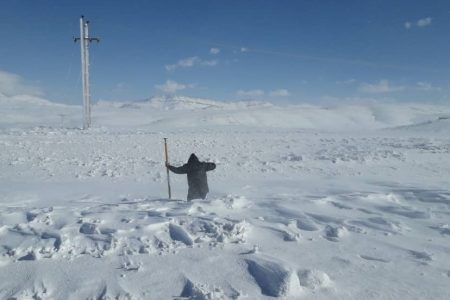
(307, 202)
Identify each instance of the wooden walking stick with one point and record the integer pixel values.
(167, 169)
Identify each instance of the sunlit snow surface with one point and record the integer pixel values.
(344, 202)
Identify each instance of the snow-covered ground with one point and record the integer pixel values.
(344, 202)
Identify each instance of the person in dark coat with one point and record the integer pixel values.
(196, 176)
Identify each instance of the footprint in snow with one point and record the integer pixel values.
(193, 290)
(372, 258)
(89, 228)
(443, 229)
(314, 279)
(333, 233)
(274, 278)
(129, 265)
(41, 215)
(29, 257)
(55, 236)
(423, 256)
(307, 224)
(177, 233)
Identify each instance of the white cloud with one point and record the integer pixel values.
(424, 22)
(259, 93)
(243, 49)
(171, 86)
(214, 50)
(382, 86)
(426, 86)
(209, 63)
(183, 63)
(250, 93)
(13, 84)
(190, 62)
(280, 93)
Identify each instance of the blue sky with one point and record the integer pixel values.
(283, 51)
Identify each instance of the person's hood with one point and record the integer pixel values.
(193, 159)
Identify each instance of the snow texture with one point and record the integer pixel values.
(307, 202)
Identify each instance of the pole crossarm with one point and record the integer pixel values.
(87, 39)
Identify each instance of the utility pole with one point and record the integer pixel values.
(84, 42)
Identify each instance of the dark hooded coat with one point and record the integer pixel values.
(196, 176)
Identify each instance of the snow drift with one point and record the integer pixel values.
(342, 210)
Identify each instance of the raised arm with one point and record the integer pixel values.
(210, 166)
(178, 170)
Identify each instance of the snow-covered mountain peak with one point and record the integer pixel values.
(167, 102)
(192, 103)
(182, 102)
(24, 99)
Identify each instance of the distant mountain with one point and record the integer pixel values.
(439, 125)
(165, 112)
(183, 103)
(26, 99)
(28, 111)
